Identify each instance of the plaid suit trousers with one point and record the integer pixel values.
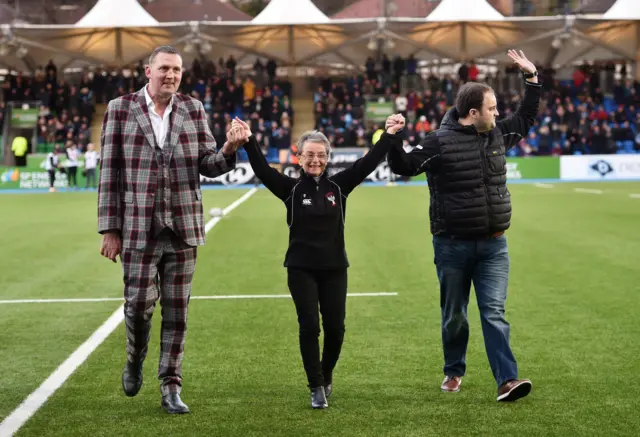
(164, 269)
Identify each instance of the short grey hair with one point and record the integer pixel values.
(163, 49)
(313, 136)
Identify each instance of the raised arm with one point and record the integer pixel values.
(279, 184)
(351, 177)
(424, 157)
(516, 126)
(212, 163)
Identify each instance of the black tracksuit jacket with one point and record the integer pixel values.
(316, 210)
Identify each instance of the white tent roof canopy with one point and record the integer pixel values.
(334, 42)
(615, 38)
(465, 10)
(460, 40)
(71, 46)
(290, 12)
(623, 10)
(578, 40)
(556, 40)
(117, 13)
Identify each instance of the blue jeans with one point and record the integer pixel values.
(485, 262)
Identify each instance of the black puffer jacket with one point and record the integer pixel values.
(466, 170)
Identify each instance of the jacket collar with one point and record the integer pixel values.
(149, 101)
(144, 100)
(308, 177)
(450, 122)
(176, 118)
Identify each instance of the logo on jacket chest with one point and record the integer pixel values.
(306, 201)
(331, 198)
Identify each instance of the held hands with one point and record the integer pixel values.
(236, 136)
(244, 126)
(394, 124)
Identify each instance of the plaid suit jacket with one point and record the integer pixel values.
(129, 170)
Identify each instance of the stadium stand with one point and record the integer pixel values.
(594, 113)
(70, 108)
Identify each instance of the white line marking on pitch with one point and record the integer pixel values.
(36, 399)
(214, 221)
(587, 190)
(541, 185)
(634, 196)
(276, 296)
(102, 299)
(235, 296)
(28, 408)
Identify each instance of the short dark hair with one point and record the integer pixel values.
(163, 49)
(471, 96)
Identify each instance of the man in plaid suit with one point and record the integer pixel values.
(154, 145)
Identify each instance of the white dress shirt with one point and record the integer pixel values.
(160, 124)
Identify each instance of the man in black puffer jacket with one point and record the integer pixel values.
(470, 208)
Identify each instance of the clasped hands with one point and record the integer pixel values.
(394, 124)
(237, 135)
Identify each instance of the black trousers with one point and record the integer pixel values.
(328, 290)
(72, 176)
(21, 161)
(91, 178)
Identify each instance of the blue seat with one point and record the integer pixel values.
(609, 104)
(273, 156)
(242, 155)
(628, 146)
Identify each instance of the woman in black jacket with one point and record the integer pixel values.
(316, 259)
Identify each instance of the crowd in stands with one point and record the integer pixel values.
(262, 98)
(67, 109)
(575, 116)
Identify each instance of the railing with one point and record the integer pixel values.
(523, 8)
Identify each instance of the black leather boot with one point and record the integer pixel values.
(132, 378)
(318, 398)
(173, 404)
